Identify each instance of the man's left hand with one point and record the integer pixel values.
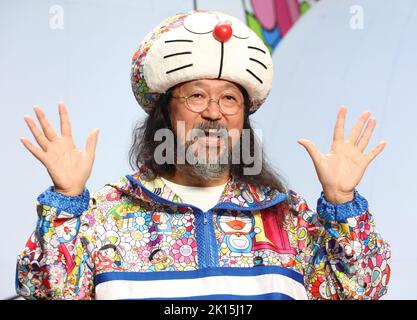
(341, 170)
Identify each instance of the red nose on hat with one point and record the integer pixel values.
(222, 31)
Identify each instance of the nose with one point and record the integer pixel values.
(212, 111)
(222, 32)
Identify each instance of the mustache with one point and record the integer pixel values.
(199, 130)
(209, 125)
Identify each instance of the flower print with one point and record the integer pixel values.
(358, 293)
(178, 233)
(378, 271)
(244, 261)
(57, 273)
(273, 260)
(51, 256)
(114, 195)
(224, 262)
(184, 220)
(261, 254)
(130, 257)
(224, 249)
(143, 253)
(91, 219)
(138, 238)
(188, 268)
(218, 234)
(233, 262)
(155, 237)
(142, 220)
(187, 234)
(320, 289)
(110, 225)
(184, 250)
(364, 227)
(54, 242)
(353, 249)
(286, 260)
(260, 258)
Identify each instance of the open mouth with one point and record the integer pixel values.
(236, 224)
(211, 138)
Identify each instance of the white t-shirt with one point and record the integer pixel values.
(204, 198)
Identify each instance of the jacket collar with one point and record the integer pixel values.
(236, 194)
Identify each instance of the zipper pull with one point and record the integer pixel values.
(205, 218)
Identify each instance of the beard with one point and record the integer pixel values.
(208, 151)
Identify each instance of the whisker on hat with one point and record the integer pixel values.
(179, 68)
(178, 40)
(256, 48)
(255, 76)
(177, 54)
(257, 61)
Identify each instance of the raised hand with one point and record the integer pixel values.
(68, 166)
(341, 170)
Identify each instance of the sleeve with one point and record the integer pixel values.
(339, 250)
(56, 262)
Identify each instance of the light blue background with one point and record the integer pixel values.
(321, 64)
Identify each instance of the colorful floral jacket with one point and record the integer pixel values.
(136, 239)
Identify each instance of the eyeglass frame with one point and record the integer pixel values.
(241, 104)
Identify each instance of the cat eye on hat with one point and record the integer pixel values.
(201, 45)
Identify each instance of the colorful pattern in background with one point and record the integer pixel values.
(271, 19)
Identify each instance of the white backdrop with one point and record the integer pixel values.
(321, 64)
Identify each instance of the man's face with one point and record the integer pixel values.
(211, 120)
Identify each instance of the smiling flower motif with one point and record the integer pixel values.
(184, 250)
(142, 220)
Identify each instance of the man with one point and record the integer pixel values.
(204, 216)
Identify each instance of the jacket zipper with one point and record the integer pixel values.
(207, 239)
(205, 242)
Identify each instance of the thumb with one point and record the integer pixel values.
(90, 146)
(312, 150)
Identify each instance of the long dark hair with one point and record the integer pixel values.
(143, 147)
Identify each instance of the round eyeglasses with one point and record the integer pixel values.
(198, 102)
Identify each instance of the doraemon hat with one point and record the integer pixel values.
(197, 45)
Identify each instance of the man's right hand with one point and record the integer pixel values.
(68, 166)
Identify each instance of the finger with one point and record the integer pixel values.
(37, 133)
(367, 134)
(64, 120)
(36, 152)
(339, 128)
(377, 150)
(90, 146)
(357, 129)
(312, 150)
(47, 128)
